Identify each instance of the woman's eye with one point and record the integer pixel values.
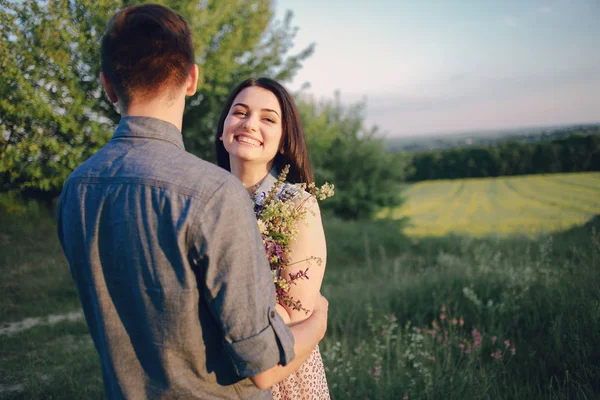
(271, 120)
(239, 113)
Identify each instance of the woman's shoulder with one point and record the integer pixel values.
(302, 198)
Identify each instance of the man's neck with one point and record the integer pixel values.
(158, 109)
(249, 173)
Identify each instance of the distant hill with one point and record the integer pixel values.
(487, 138)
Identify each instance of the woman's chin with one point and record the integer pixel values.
(248, 155)
(244, 153)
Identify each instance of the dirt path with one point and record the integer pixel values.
(28, 323)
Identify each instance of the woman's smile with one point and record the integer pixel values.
(247, 140)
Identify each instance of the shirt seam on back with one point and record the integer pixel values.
(141, 182)
(134, 136)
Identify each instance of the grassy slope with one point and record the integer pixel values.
(541, 294)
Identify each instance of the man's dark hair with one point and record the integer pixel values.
(145, 49)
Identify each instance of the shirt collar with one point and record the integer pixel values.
(268, 181)
(152, 128)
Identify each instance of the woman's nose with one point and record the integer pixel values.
(250, 123)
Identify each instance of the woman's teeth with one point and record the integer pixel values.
(247, 140)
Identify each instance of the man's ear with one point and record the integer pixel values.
(108, 88)
(192, 81)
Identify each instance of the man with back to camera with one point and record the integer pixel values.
(164, 247)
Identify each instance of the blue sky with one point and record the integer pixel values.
(435, 66)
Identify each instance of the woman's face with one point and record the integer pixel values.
(253, 128)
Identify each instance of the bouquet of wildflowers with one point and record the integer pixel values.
(277, 214)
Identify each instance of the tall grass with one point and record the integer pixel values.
(458, 317)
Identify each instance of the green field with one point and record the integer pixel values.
(524, 204)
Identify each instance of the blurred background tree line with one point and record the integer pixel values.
(54, 115)
(577, 153)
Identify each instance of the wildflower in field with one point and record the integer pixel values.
(468, 350)
(497, 355)
(377, 371)
(454, 321)
(494, 338)
(442, 317)
(461, 321)
(405, 396)
(461, 346)
(432, 358)
(507, 343)
(513, 350)
(443, 309)
(476, 338)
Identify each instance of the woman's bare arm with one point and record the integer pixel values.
(309, 243)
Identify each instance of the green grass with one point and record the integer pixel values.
(543, 295)
(507, 205)
(51, 362)
(385, 290)
(36, 279)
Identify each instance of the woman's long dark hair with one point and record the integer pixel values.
(293, 143)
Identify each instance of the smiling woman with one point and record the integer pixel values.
(259, 135)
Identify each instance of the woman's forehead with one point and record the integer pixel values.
(257, 97)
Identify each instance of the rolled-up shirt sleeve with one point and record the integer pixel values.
(238, 285)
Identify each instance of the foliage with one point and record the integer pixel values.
(576, 153)
(53, 114)
(344, 151)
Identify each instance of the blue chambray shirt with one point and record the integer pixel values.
(171, 271)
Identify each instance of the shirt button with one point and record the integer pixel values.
(272, 314)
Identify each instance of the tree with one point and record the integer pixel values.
(352, 157)
(53, 113)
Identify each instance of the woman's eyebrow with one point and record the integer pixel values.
(270, 110)
(262, 109)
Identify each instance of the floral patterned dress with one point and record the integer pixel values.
(309, 381)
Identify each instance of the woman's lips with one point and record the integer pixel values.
(248, 140)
